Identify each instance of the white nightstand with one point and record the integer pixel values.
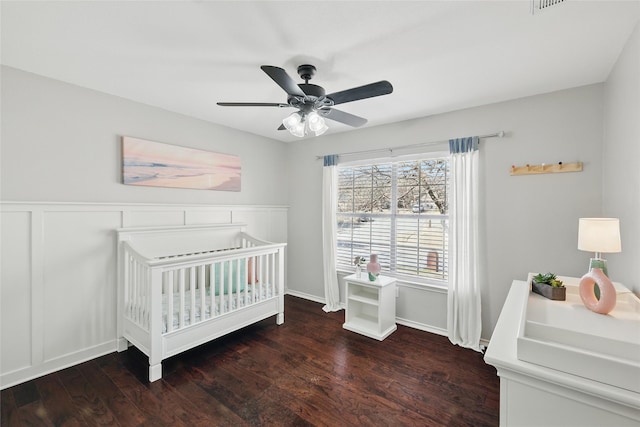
(371, 306)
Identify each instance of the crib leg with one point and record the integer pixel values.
(122, 345)
(155, 372)
(280, 319)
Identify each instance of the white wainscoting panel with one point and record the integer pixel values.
(267, 224)
(422, 307)
(15, 294)
(152, 218)
(80, 280)
(58, 278)
(208, 216)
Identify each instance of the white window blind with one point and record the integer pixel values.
(398, 210)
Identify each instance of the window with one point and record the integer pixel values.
(399, 210)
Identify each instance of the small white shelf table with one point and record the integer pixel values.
(371, 306)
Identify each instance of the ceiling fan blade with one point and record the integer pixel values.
(283, 80)
(252, 104)
(382, 87)
(342, 117)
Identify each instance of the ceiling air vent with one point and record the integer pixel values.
(538, 5)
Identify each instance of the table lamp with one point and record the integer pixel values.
(599, 235)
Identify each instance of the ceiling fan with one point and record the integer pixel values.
(312, 103)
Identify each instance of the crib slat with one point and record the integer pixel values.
(127, 290)
(261, 264)
(126, 266)
(134, 292)
(201, 286)
(168, 293)
(181, 298)
(272, 279)
(140, 286)
(211, 289)
(229, 292)
(245, 263)
(221, 288)
(138, 298)
(192, 292)
(239, 284)
(145, 291)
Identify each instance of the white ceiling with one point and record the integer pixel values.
(184, 56)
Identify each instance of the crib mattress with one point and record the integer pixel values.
(250, 297)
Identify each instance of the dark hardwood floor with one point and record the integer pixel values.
(309, 371)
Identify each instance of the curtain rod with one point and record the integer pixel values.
(423, 144)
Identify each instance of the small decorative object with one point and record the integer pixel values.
(373, 268)
(549, 287)
(358, 261)
(607, 300)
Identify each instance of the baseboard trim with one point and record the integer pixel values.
(421, 326)
(19, 376)
(304, 295)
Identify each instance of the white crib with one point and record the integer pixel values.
(180, 287)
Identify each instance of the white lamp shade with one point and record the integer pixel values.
(316, 123)
(292, 121)
(599, 235)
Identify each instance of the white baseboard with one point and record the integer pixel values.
(304, 295)
(10, 379)
(421, 326)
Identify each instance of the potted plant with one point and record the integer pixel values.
(359, 261)
(549, 286)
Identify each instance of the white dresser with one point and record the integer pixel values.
(371, 306)
(562, 365)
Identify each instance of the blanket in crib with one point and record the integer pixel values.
(252, 295)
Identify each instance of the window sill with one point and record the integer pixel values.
(406, 282)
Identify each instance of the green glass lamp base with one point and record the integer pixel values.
(602, 264)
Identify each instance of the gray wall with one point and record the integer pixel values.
(529, 223)
(621, 180)
(61, 142)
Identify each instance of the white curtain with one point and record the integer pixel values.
(464, 323)
(329, 203)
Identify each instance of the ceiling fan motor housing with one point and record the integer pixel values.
(312, 92)
(306, 72)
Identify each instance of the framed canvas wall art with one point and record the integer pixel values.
(156, 164)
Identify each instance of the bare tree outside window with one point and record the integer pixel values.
(398, 210)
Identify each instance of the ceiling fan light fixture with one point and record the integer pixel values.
(316, 123)
(295, 124)
(300, 124)
(298, 130)
(292, 121)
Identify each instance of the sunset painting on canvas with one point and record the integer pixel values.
(163, 165)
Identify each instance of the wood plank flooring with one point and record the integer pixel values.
(307, 372)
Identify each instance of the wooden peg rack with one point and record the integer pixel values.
(546, 168)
